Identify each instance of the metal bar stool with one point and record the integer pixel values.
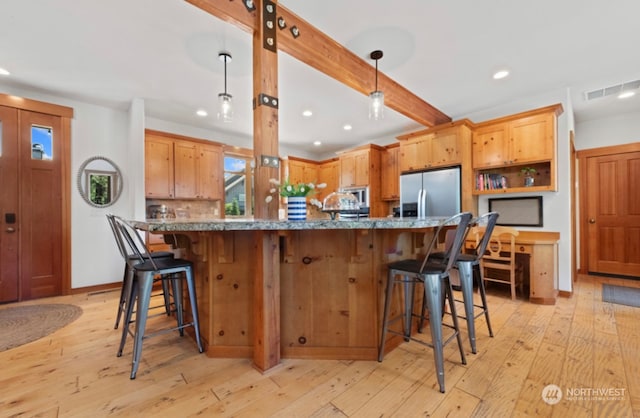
(140, 282)
(468, 266)
(434, 275)
(132, 258)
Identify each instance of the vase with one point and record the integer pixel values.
(297, 208)
(528, 181)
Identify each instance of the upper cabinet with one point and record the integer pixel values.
(430, 148)
(329, 173)
(355, 167)
(503, 147)
(390, 173)
(441, 146)
(182, 169)
(158, 166)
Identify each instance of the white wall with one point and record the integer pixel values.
(614, 130)
(556, 205)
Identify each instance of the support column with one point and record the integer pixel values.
(266, 347)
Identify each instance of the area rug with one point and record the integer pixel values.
(22, 324)
(621, 295)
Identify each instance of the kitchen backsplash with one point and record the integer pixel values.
(191, 209)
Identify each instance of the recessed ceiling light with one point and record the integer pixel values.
(498, 75)
(317, 143)
(347, 127)
(626, 94)
(307, 113)
(4, 72)
(202, 113)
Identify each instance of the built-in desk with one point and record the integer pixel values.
(542, 249)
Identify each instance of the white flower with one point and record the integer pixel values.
(316, 202)
(289, 188)
(310, 185)
(272, 190)
(268, 199)
(274, 182)
(302, 189)
(321, 185)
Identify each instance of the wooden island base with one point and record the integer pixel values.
(301, 290)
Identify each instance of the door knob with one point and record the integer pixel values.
(11, 229)
(592, 221)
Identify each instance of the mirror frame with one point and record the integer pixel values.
(84, 173)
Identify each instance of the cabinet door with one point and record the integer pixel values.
(209, 172)
(158, 168)
(408, 156)
(328, 173)
(362, 169)
(186, 170)
(296, 171)
(490, 146)
(347, 170)
(390, 178)
(445, 149)
(532, 138)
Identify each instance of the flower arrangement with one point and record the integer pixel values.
(528, 171)
(288, 189)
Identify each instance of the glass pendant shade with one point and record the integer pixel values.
(225, 104)
(376, 105)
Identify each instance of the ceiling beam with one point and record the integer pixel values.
(321, 52)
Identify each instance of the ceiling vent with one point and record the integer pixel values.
(608, 91)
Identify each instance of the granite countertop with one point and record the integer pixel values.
(182, 225)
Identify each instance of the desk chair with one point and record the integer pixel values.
(140, 282)
(500, 256)
(132, 258)
(434, 275)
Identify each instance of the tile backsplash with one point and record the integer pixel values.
(192, 209)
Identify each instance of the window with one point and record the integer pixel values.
(238, 186)
(41, 143)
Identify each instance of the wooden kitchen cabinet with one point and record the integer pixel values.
(329, 173)
(181, 168)
(302, 171)
(158, 167)
(390, 173)
(354, 168)
(441, 146)
(430, 148)
(503, 147)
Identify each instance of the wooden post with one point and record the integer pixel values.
(266, 348)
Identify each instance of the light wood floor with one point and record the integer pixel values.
(581, 343)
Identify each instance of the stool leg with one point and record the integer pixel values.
(167, 297)
(193, 300)
(433, 296)
(145, 284)
(452, 305)
(131, 293)
(409, 287)
(483, 295)
(176, 284)
(466, 284)
(123, 297)
(385, 315)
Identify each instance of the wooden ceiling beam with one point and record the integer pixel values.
(321, 52)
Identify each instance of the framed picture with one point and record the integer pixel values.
(100, 186)
(518, 211)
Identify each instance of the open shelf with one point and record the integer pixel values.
(494, 180)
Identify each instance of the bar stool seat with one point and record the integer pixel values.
(437, 287)
(140, 281)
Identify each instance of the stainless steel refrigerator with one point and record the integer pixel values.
(430, 193)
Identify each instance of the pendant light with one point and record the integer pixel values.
(225, 112)
(376, 97)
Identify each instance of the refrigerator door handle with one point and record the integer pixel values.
(421, 196)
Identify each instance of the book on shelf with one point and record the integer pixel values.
(490, 181)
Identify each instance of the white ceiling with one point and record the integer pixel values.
(166, 52)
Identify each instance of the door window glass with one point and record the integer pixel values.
(41, 143)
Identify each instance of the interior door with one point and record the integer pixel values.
(613, 214)
(8, 204)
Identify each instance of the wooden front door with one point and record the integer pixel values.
(613, 213)
(30, 174)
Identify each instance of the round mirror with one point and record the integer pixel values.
(99, 182)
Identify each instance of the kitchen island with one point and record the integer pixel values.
(311, 289)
